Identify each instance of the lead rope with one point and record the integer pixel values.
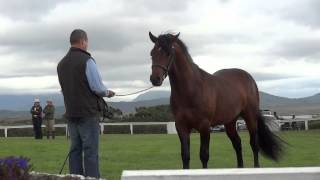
(64, 163)
(137, 92)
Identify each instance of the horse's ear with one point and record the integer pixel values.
(152, 37)
(177, 35)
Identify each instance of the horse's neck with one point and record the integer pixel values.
(183, 76)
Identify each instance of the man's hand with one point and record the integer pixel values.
(110, 93)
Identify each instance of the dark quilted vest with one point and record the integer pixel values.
(79, 100)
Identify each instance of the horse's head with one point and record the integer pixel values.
(163, 55)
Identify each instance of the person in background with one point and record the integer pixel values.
(49, 118)
(36, 112)
(83, 90)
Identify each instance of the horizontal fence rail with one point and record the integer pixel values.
(170, 126)
(276, 124)
(305, 173)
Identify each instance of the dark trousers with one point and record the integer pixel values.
(37, 122)
(84, 150)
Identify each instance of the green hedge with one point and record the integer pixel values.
(23, 132)
(28, 132)
(1, 132)
(150, 129)
(116, 129)
(59, 131)
(314, 124)
(137, 129)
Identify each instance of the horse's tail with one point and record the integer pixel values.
(270, 144)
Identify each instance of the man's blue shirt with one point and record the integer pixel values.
(94, 79)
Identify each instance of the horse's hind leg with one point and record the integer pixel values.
(184, 136)
(251, 122)
(205, 142)
(236, 141)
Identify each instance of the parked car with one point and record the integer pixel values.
(271, 119)
(217, 128)
(266, 113)
(241, 125)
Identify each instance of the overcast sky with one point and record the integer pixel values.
(276, 41)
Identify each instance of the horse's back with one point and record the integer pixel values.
(239, 82)
(234, 72)
(236, 77)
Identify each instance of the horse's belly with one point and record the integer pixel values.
(225, 116)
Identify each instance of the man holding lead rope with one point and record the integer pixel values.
(83, 90)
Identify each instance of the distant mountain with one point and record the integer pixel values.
(288, 106)
(129, 107)
(265, 98)
(24, 102)
(150, 95)
(17, 106)
(282, 105)
(13, 114)
(25, 114)
(271, 100)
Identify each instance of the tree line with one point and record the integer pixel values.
(160, 113)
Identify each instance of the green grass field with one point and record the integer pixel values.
(132, 152)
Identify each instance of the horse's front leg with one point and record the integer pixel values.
(184, 136)
(204, 144)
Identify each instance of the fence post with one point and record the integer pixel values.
(101, 128)
(171, 128)
(237, 125)
(131, 128)
(5, 132)
(67, 131)
(306, 125)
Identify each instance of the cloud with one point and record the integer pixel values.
(298, 48)
(260, 76)
(162, 7)
(293, 88)
(303, 12)
(274, 40)
(27, 10)
(22, 85)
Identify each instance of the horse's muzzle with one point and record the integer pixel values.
(155, 80)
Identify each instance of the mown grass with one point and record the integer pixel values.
(131, 152)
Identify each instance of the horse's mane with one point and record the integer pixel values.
(165, 42)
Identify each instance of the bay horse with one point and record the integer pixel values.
(200, 100)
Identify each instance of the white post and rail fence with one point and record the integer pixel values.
(296, 173)
(170, 126)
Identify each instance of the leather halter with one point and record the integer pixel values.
(172, 57)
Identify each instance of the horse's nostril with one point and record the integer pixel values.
(155, 80)
(151, 78)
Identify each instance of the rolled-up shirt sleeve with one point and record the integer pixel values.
(94, 79)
